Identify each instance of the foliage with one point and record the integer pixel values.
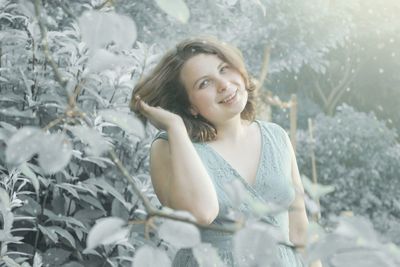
(359, 155)
(73, 156)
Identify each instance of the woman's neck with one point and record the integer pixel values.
(232, 131)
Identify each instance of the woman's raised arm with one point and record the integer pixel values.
(178, 175)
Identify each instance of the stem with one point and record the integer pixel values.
(54, 123)
(49, 59)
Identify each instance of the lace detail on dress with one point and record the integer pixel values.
(273, 184)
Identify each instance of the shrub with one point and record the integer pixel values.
(360, 156)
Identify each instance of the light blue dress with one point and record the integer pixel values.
(273, 184)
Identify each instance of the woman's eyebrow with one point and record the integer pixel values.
(219, 66)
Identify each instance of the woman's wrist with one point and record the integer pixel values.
(175, 125)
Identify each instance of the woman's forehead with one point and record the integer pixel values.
(200, 63)
(198, 66)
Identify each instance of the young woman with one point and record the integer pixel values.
(202, 98)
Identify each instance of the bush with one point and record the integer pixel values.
(360, 156)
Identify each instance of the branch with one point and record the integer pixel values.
(320, 92)
(103, 4)
(264, 69)
(43, 32)
(73, 112)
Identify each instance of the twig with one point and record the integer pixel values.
(73, 112)
(53, 123)
(103, 4)
(43, 32)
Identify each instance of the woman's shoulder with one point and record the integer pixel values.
(272, 127)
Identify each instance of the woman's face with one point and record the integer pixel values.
(216, 90)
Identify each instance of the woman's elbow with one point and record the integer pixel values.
(208, 216)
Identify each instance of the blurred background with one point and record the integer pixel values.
(328, 72)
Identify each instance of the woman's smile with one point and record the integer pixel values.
(230, 99)
(215, 89)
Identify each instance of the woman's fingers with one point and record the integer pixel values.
(143, 107)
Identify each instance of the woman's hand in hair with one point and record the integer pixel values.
(159, 117)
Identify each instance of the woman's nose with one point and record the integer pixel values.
(222, 84)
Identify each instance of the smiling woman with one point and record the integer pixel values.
(202, 99)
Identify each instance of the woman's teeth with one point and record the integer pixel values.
(230, 98)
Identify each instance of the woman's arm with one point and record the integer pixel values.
(179, 177)
(298, 221)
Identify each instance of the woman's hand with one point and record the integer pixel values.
(159, 117)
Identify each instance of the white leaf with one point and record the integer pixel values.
(102, 59)
(364, 258)
(55, 153)
(250, 243)
(4, 199)
(37, 260)
(179, 234)
(97, 144)
(147, 256)
(316, 190)
(99, 29)
(10, 262)
(106, 231)
(356, 227)
(12, 111)
(23, 145)
(126, 121)
(175, 8)
(207, 256)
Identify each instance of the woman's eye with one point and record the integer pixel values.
(224, 68)
(203, 84)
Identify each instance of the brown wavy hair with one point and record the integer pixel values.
(162, 87)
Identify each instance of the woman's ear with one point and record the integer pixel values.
(193, 111)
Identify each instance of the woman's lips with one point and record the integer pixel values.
(230, 98)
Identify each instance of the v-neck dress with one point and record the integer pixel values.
(273, 184)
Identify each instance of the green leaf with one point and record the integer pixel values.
(106, 231)
(108, 189)
(92, 201)
(126, 121)
(55, 256)
(175, 8)
(50, 233)
(64, 234)
(69, 189)
(71, 221)
(31, 175)
(30, 206)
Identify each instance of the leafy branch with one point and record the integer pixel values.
(75, 113)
